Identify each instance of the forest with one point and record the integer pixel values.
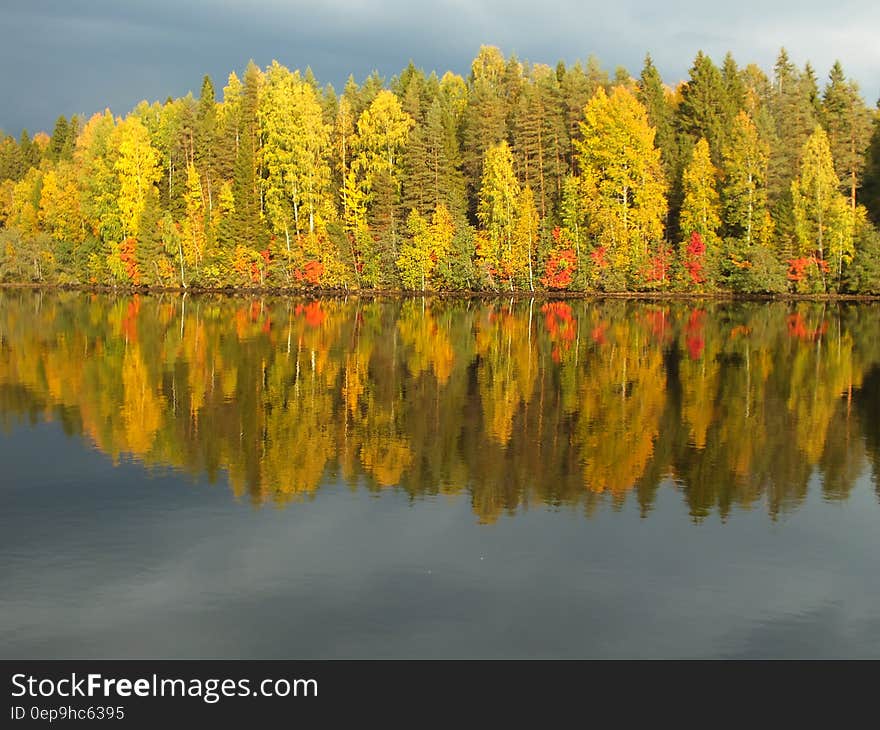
(521, 177)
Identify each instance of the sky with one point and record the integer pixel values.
(80, 56)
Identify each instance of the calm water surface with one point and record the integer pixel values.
(219, 477)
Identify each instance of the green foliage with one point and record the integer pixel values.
(751, 269)
(862, 276)
(744, 194)
(847, 121)
(871, 186)
(657, 100)
(701, 112)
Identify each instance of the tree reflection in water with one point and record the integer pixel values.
(572, 403)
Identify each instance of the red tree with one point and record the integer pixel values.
(694, 255)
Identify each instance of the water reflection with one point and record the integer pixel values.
(574, 404)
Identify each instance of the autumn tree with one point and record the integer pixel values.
(520, 261)
(592, 181)
(295, 153)
(383, 129)
(823, 219)
(429, 244)
(578, 83)
(497, 209)
(138, 168)
(60, 204)
(700, 208)
(195, 233)
(622, 179)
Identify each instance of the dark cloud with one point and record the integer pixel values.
(63, 57)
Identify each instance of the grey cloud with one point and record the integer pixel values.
(63, 57)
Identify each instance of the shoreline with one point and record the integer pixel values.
(317, 293)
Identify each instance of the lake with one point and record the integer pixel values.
(269, 477)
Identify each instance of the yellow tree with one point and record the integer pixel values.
(194, 229)
(382, 132)
(60, 210)
(25, 203)
(822, 216)
(699, 210)
(343, 143)
(414, 262)
(312, 147)
(137, 167)
(622, 176)
(521, 263)
(276, 117)
(429, 244)
(296, 148)
(98, 181)
(497, 205)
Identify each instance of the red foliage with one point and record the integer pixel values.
(562, 326)
(129, 321)
(560, 268)
(658, 266)
(797, 268)
(250, 315)
(313, 313)
(694, 334)
(695, 345)
(598, 257)
(797, 327)
(659, 323)
(246, 317)
(128, 255)
(496, 272)
(259, 268)
(696, 247)
(598, 333)
(241, 323)
(311, 273)
(694, 253)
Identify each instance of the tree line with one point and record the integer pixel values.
(507, 403)
(520, 177)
